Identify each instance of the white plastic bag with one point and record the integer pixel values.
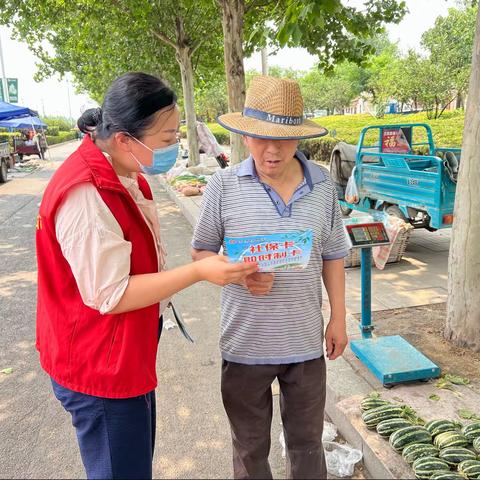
(341, 459)
(329, 432)
(393, 226)
(168, 325)
(351, 191)
(281, 439)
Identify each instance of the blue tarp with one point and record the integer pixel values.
(24, 122)
(8, 111)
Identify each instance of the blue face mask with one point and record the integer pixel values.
(163, 159)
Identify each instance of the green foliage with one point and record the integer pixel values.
(61, 137)
(98, 41)
(380, 75)
(329, 29)
(221, 134)
(53, 130)
(211, 100)
(453, 57)
(61, 123)
(447, 130)
(8, 137)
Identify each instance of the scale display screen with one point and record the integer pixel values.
(367, 234)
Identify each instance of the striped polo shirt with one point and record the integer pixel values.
(286, 325)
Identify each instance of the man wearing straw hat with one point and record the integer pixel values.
(272, 325)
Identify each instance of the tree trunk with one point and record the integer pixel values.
(232, 22)
(184, 58)
(459, 102)
(463, 307)
(264, 61)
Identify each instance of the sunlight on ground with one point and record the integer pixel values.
(10, 283)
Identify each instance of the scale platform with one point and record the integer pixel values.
(393, 360)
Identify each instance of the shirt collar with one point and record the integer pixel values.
(313, 174)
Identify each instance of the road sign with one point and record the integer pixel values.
(12, 85)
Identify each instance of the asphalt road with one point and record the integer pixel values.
(36, 436)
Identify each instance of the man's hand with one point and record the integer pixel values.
(259, 283)
(335, 337)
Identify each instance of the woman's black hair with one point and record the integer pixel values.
(129, 106)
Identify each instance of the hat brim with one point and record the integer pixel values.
(252, 127)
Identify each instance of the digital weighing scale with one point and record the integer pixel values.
(391, 359)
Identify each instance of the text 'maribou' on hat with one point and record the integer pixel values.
(273, 109)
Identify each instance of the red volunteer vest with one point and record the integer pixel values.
(109, 356)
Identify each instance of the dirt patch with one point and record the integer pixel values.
(423, 328)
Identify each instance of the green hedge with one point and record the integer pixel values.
(8, 136)
(447, 130)
(221, 134)
(61, 137)
(53, 130)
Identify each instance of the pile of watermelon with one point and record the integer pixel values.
(436, 450)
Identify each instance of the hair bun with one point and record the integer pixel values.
(89, 120)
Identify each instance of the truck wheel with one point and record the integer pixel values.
(396, 212)
(345, 211)
(3, 171)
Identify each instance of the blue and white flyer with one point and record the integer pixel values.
(273, 252)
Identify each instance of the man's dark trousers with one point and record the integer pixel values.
(247, 398)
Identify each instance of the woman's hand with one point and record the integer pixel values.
(259, 283)
(218, 270)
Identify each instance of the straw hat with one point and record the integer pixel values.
(273, 109)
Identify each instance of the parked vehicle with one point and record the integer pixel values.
(34, 146)
(5, 161)
(389, 176)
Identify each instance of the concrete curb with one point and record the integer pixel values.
(346, 386)
(185, 204)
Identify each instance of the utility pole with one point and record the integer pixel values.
(6, 97)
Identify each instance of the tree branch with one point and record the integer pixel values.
(257, 4)
(196, 46)
(162, 37)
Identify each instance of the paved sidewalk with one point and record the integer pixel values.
(419, 279)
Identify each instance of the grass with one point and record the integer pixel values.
(447, 130)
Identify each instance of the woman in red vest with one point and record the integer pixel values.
(102, 283)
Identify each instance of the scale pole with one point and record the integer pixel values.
(366, 271)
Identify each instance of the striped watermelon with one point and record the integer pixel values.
(450, 439)
(471, 431)
(374, 416)
(425, 467)
(439, 426)
(408, 435)
(386, 427)
(469, 468)
(417, 450)
(444, 475)
(476, 444)
(373, 402)
(454, 455)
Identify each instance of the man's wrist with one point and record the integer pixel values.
(338, 317)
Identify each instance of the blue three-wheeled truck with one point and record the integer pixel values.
(417, 187)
